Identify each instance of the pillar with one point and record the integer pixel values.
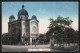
(30, 41)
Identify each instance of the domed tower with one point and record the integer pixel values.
(34, 17)
(11, 18)
(23, 14)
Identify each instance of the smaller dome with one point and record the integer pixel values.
(12, 17)
(34, 17)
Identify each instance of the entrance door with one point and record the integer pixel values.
(26, 41)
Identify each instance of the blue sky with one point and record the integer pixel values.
(43, 11)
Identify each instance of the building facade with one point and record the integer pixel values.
(25, 30)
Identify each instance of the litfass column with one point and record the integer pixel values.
(52, 40)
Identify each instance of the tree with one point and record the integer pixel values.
(42, 38)
(71, 36)
(60, 21)
(76, 36)
(59, 27)
(5, 38)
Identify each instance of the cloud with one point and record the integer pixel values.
(42, 11)
(63, 7)
(11, 4)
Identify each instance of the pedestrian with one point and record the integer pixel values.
(35, 44)
(25, 44)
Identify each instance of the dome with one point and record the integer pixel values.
(11, 17)
(34, 17)
(22, 11)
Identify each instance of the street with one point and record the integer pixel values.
(19, 48)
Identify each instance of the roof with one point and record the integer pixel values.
(22, 11)
(12, 17)
(34, 17)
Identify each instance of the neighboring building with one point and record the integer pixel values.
(24, 29)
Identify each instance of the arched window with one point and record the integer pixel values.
(22, 17)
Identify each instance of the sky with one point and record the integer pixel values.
(43, 11)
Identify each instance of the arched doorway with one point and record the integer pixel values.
(33, 41)
(26, 39)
